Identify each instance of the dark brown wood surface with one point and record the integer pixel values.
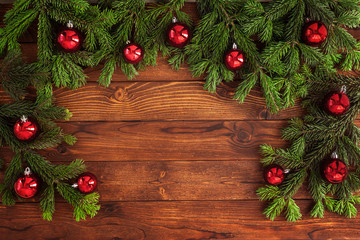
(173, 162)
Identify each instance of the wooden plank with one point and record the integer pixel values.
(149, 101)
(167, 141)
(181, 180)
(178, 180)
(178, 220)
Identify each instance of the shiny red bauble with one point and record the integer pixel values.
(314, 33)
(234, 59)
(133, 53)
(27, 186)
(87, 182)
(178, 35)
(26, 129)
(334, 170)
(70, 40)
(274, 175)
(336, 103)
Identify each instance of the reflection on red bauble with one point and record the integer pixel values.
(70, 40)
(87, 182)
(178, 34)
(27, 186)
(274, 175)
(26, 129)
(334, 170)
(314, 33)
(234, 59)
(336, 103)
(133, 53)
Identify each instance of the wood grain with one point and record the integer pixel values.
(173, 161)
(178, 180)
(168, 141)
(174, 220)
(139, 101)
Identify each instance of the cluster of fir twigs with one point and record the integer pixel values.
(15, 76)
(51, 16)
(107, 27)
(313, 139)
(279, 63)
(282, 64)
(146, 25)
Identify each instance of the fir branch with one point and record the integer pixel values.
(318, 210)
(292, 212)
(83, 205)
(275, 208)
(47, 203)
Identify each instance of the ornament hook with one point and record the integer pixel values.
(234, 46)
(334, 155)
(127, 42)
(70, 24)
(27, 171)
(174, 20)
(343, 89)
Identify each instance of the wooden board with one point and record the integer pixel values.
(172, 220)
(151, 101)
(173, 161)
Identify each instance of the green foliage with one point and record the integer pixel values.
(15, 78)
(278, 66)
(83, 205)
(313, 140)
(159, 17)
(66, 68)
(15, 75)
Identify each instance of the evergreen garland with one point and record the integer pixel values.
(283, 63)
(15, 76)
(66, 68)
(313, 139)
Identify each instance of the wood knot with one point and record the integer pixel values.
(61, 149)
(244, 136)
(162, 174)
(162, 193)
(264, 114)
(120, 95)
(225, 91)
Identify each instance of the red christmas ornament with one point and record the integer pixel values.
(26, 129)
(314, 33)
(133, 53)
(334, 170)
(336, 103)
(70, 39)
(234, 59)
(178, 34)
(28, 185)
(274, 175)
(87, 182)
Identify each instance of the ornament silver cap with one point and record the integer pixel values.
(174, 20)
(70, 24)
(27, 171)
(334, 155)
(287, 170)
(234, 46)
(127, 42)
(75, 185)
(343, 89)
